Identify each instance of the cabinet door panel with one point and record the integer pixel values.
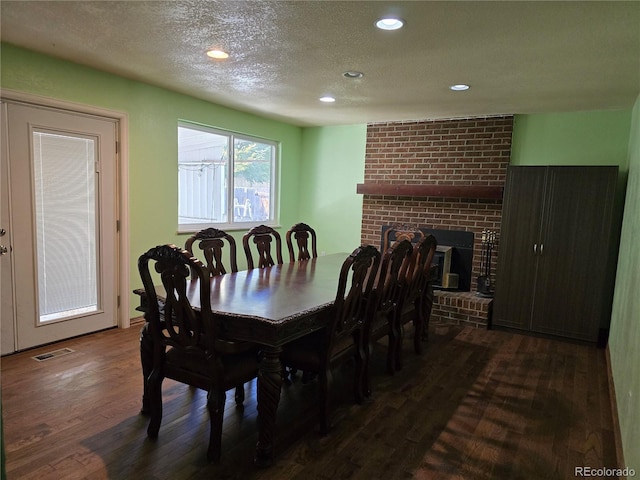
(516, 274)
(575, 236)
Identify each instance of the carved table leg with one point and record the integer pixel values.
(269, 384)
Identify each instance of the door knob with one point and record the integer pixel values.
(2, 232)
(3, 250)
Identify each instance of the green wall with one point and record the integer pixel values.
(624, 339)
(332, 166)
(153, 116)
(583, 138)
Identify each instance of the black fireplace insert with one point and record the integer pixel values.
(455, 254)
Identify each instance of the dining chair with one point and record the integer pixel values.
(262, 236)
(301, 233)
(186, 345)
(419, 297)
(211, 242)
(390, 290)
(342, 339)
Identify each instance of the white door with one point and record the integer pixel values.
(7, 330)
(63, 202)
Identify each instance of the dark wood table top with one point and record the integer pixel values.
(274, 305)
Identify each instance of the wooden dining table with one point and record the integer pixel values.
(271, 307)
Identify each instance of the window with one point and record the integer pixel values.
(224, 179)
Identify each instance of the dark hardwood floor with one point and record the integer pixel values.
(477, 404)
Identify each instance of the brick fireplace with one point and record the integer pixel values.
(439, 174)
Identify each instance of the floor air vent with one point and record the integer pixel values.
(55, 354)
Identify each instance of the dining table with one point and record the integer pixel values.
(269, 306)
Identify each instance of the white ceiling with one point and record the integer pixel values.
(518, 57)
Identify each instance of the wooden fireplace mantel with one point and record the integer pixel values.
(430, 190)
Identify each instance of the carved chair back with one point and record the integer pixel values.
(179, 327)
(211, 242)
(397, 233)
(419, 275)
(301, 233)
(262, 237)
(354, 298)
(394, 274)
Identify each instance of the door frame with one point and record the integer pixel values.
(122, 183)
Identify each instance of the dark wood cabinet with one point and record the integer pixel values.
(556, 251)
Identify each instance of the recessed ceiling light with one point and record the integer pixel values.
(217, 54)
(353, 74)
(460, 87)
(389, 23)
(327, 99)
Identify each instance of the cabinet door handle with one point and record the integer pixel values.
(541, 248)
(535, 248)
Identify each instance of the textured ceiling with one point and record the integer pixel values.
(518, 57)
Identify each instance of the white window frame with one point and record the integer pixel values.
(231, 224)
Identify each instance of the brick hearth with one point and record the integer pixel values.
(460, 308)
